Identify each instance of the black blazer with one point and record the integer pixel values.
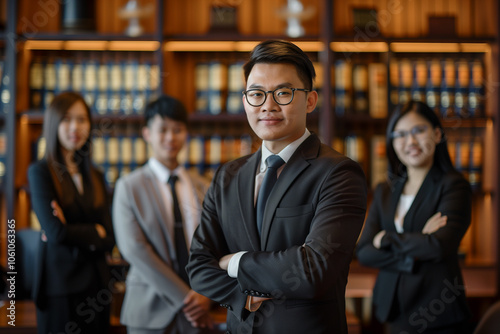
(74, 253)
(310, 227)
(420, 271)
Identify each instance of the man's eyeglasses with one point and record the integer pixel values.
(417, 131)
(282, 96)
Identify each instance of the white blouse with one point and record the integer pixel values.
(404, 205)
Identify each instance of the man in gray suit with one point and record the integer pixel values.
(279, 226)
(153, 233)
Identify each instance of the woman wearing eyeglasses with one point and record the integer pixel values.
(414, 227)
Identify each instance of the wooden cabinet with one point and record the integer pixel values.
(384, 36)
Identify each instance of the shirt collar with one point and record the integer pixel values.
(285, 153)
(162, 172)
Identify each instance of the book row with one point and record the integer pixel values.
(118, 155)
(451, 87)
(219, 87)
(466, 155)
(110, 85)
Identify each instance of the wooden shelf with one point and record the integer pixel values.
(85, 37)
(93, 45)
(36, 117)
(234, 44)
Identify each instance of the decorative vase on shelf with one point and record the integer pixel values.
(133, 12)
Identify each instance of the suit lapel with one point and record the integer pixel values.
(398, 186)
(309, 149)
(246, 189)
(153, 192)
(426, 188)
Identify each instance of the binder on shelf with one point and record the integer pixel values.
(50, 79)
(236, 153)
(154, 81)
(197, 153)
(77, 75)
(476, 89)
(355, 149)
(476, 161)
(432, 90)
(343, 87)
(36, 83)
(377, 74)
(141, 99)
(89, 91)
(101, 103)
(462, 157)
(124, 170)
(99, 150)
(111, 174)
(419, 80)
(378, 160)
(217, 84)
(405, 81)
(227, 149)
(183, 156)
(338, 145)
(461, 87)
(140, 150)
(63, 74)
(214, 152)
(116, 82)
(111, 171)
(126, 151)
(447, 98)
(128, 87)
(132, 83)
(360, 89)
(113, 150)
(201, 86)
(394, 82)
(235, 85)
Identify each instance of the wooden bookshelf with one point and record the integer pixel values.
(178, 37)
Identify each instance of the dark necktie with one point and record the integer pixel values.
(273, 163)
(179, 238)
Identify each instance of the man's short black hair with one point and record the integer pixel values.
(166, 106)
(282, 52)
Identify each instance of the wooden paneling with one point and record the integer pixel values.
(409, 18)
(256, 17)
(45, 16)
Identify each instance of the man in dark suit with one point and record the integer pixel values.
(280, 265)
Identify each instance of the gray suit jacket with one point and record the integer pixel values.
(301, 259)
(154, 292)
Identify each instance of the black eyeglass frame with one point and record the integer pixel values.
(274, 98)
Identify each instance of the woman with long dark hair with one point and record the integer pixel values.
(70, 200)
(414, 228)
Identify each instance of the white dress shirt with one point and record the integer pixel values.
(285, 154)
(186, 193)
(404, 205)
